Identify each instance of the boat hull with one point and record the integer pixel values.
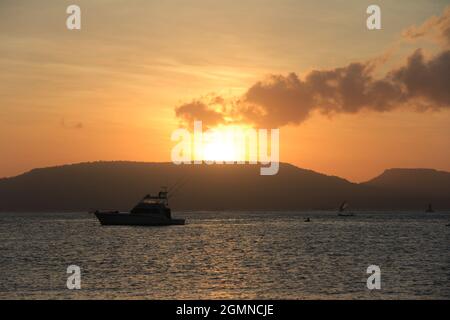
(346, 215)
(126, 219)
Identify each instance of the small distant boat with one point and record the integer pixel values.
(346, 214)
(150, 211)
(429, 209)
(342, 208)
(307, 220)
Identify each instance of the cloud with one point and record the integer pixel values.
(283, 100)
(436, 27)
(77, 125)
(199, 110)
(427, 82)
(421, 83)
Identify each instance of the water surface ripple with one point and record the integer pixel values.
(224, 255)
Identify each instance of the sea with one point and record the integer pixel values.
(227, 255)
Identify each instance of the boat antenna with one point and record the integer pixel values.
(177, 187)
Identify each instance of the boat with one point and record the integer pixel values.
(429, 209)
(346, 214)
(307, 220)
(342, 207)
(150, 211)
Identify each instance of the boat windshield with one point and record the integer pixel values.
(161, 198)
(152, 201)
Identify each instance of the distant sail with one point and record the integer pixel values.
(341, 213)
(429, 209)
(343, 206)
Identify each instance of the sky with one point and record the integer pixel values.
(111, 91)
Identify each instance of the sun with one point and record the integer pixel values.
(219, 151)
(224, 143)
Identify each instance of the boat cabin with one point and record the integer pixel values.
(158, 204)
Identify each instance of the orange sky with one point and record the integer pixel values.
(108, 92)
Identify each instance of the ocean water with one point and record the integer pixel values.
(225, 255)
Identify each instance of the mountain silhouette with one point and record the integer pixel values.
(120, 184)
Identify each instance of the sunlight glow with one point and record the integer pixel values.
(224, 143)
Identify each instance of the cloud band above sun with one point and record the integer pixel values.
(422, 83)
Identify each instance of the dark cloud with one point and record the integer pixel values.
(282, 100)
(199, 110)
(276, 101)
(288, 99)
(428, 81)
